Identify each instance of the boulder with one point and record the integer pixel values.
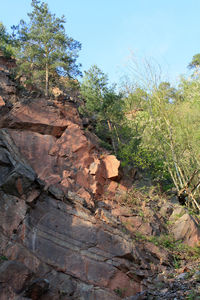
(112, 166)
(186, 229)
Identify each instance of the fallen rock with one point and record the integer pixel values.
(2, 103)
(112, 166)
(187, 230)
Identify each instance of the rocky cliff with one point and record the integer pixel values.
(68, 230)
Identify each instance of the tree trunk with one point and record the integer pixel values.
(47, 81)
(112, 139)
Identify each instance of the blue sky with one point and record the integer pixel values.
(109, 30)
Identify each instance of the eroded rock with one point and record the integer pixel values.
(63, 237)
(55, 135)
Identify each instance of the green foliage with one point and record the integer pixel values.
(166, 241)
(105, 145)
(103, 106)
(93, 89)
(7, 42)
(163, 129)
(193, 295)
(195, 63)
(3, 258)
(119, 291)
(176, 262)
(142, 148)
(46, 52)
(167, 93)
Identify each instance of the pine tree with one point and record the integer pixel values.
(7, 42)
(46, 51)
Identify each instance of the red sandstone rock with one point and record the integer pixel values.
(121, 284)
(15, 275)
(71, 159)
(37, 116)
(122, 211)
(58, 233)
(59, 230)
(86, 196)
(111, 166)
(2, 103)
(112, 187)
(187, 230)
(9, 219)
(94, 167)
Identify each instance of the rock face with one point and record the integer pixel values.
(50, 136)
(48, 225)
(52, 225)
(63, 235)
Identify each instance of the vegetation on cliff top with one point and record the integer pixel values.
(44, 51)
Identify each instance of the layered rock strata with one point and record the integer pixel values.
(51, 176)
(64, 234)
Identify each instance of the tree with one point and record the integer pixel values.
(164, 136)
(102, 105)
(195, 63)
(93, 89)
(7, 42)
(166, 92)
(46, 51)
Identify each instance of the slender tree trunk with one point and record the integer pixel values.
(113, 143)
(47, 81)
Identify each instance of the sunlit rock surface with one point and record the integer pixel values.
(63, 234)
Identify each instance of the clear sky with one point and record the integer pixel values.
(167, 30)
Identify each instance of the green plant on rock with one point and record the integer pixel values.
(187, 252)
(140, 237)
(3, 258)
(141, 213)
(176, 262)
(119, 291)
(166, 241)
(171, 275)
(193, 295)
(178, 216)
